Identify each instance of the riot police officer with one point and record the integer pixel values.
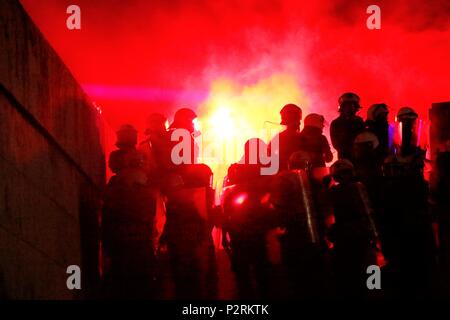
(314, 142)
(377, 123)
(248, 218)
(156, 149)
(353, 233)
(289, 139)
(126, 146)
(406, 230)
(441, 208)
(301, 243)
(127, 221)
(187, 231)
(345, 128)
(156, 146)
(184, 120)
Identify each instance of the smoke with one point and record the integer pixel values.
(321, 49)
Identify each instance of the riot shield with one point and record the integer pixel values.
(307, 205)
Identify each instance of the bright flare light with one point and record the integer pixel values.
(234, 113)
(222, 123)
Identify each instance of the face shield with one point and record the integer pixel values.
(407, 135)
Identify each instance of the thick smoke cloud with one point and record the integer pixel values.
(186, 45)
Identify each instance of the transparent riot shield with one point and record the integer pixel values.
(307, 209)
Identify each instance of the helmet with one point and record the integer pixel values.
(126, 136)
(155, 122)
(314, 120)
(349, 99)
(367, 137)
(376, 110)
(126, 128)
(341, 166)
(290, 114)
(184, 114)
(183, 118)
(406, 113)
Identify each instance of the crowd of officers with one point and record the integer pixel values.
(307, 231)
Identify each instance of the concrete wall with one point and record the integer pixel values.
(51, 167)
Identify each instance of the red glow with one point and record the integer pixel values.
(265, 199)
(381, 261)
(146, 56)
(240, 199)
(330, 220)
(183, 46)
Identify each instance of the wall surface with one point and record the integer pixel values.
(52, 167)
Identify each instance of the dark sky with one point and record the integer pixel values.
(138, 56)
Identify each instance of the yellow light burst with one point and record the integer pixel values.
(234, 113)
(222, 123)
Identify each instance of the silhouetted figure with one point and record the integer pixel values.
(367, 156)
(289, 139)
(345, 128)
(301, 244)
(126, 149)
(353, 233)
(368, 163)
(156, 147)
(441, 197)
(314, 142)
(248, 219)
(184, 119)
(377, 123)
(407, 235)
(127, 222)
(187, 232)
